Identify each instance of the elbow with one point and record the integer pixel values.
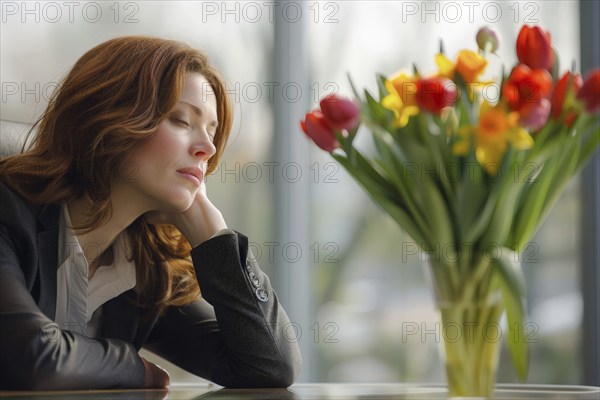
(36, 362)
(285, 372)
(282, 374)
(36, 367)
(26, 360)
(287, 375)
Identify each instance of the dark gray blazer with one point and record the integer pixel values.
(234, 335)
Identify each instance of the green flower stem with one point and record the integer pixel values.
(471, 342)
(472, 282)
(447, 283)
(426, 135)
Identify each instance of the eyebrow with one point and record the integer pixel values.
(198, 112)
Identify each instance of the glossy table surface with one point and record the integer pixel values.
(316, 391)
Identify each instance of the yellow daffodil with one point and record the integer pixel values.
(469, 65)
(401, 98)
(445, 66)
(495, 130)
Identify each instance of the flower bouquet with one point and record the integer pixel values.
(469, 169)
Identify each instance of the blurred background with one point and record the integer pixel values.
(349, 278)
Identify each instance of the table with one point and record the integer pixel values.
(315, 391)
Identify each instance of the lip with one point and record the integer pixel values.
(193, 174)
(190, 177)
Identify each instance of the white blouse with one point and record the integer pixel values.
(79, 300)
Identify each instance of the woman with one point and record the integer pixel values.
(107, 235)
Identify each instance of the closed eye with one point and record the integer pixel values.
(181, 122)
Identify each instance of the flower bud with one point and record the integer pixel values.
(318, 129)
(340, 112)
(487, 40)
(535, 115)
(590, 92)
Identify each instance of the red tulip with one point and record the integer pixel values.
(526, 86)
(318, 129)
(560, 92)
(433, 94)
(340, 112)
(590, 92)
(534, 48)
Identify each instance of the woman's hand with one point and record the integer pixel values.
(198, 223)
(156, 377)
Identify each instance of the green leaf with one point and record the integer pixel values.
(364, 166)
(405, 222)
(512, 284)
(381, 198)
(356, 94)
(377, 113)
(381, 85)
(404, 182)
(393, 158)
(505, 196)
(556, 67)
(471, 195)
(589, 145)
(438, 216)
(464, 108)
(528, 217)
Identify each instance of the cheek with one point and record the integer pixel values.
(156, 162)
(158, 155)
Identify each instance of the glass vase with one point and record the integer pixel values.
(470, 332)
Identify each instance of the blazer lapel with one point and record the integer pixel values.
(119, 318)
(47, 259)
(122, 319)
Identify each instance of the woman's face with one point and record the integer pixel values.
(183, 140)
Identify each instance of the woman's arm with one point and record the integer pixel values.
(237, 335)
(35, 354)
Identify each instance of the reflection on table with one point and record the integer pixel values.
(315, 391)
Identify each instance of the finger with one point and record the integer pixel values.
(202, 188)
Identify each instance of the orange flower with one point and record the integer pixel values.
(496, 129)
(470, 65)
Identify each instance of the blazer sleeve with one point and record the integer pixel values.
(35, 354)
(237, 334)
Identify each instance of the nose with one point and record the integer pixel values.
(203, 147)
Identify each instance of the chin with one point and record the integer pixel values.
(176, 200)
